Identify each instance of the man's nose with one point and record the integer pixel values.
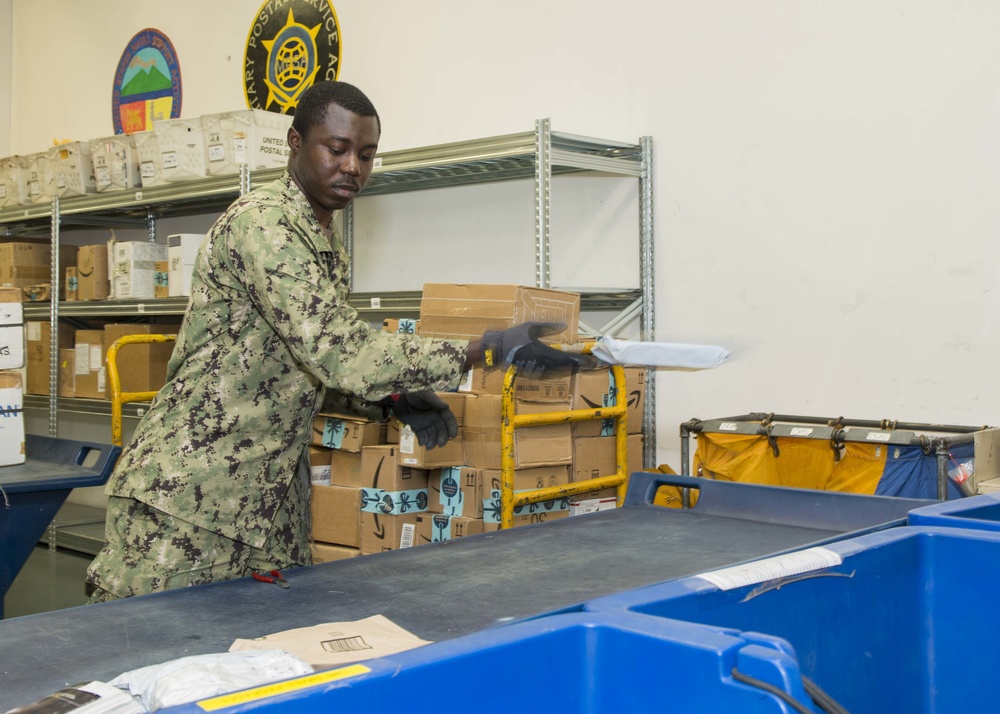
(351, 164)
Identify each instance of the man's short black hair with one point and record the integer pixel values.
(313, 103)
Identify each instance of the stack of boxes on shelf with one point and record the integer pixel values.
(371, 497)
(11, 377)
(173, 150)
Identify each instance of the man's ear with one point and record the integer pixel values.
(294, 140)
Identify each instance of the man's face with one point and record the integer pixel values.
(332, 163)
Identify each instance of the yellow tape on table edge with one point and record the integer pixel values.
(290, 685)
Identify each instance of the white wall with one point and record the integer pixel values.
(826, 173)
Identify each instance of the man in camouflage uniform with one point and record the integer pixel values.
(215, 481)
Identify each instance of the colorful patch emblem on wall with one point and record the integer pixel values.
(147, 83)
(292, 44)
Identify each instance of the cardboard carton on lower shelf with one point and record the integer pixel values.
(533, 446)
(336, 515)
(91, 374)
(39, 351)
(135, 269)
(380, 532)
(594, 389)
(11, 419)
(327, 553)
(67, 373)
(92, 272)
(141, 367)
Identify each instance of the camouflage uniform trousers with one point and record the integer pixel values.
(149, 551)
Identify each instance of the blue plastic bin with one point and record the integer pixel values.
(905, 622)
(979, 512)
(594, 663)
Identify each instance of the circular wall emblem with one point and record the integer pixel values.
(291, 45)
(147, 83)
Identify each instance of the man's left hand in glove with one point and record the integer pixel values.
(427, 415)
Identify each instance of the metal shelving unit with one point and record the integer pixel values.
(533, 155)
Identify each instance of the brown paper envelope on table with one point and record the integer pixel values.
(337, 643)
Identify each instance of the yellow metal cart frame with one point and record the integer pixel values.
(118, 397)
(511, 421)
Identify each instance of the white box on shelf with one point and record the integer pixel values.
(182, 149)
(116, 163)
(72, 170)
(182, 250)
(135, 269)
(38, 177)
(11, 330)
(13, 181)
(253, 137)
(147, 150)
(11, 419)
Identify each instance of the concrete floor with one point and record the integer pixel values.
(49, 580)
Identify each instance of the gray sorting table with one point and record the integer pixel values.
(31, 493)
(443, 590)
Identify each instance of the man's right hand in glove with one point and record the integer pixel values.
(427, 415)
(520, 345)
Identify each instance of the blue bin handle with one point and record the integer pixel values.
(643, 485)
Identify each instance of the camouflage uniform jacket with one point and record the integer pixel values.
(267, 329)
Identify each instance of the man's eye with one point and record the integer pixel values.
(367, 157)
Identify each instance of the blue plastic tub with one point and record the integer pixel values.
(594, 663)
(904, 620)
(979, 512)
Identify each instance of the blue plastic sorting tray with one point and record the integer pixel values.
(32, 492)
(979, 512)
(593, 663)
(896, 621)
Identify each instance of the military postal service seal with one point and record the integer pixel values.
(292, 44)
(147, 83)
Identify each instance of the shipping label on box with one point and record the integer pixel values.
(466, 311)
(116, 163)
(72, 169)
(91, 381)
(11, 419)
(336, 515)
(11, 329)
(604, 499)
(320, 465)
(338, 431)
(253, 137)
(380, 533)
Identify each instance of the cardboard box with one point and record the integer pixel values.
(479, 381)
(595, 456)
(141, 367)
(380, 533)
(533, 446)
(11, 419)
(603, 499)
(182, 251)
(387, 488)
(13, 181)
(116, 163)
(320, 464)
(91, 374)
(411, 453)
(467, 311)
(147, 150)
(527, 519)
(25, 264)
(593, 389)
(253, 137)
(336, 515)
(437, 527)
(72, 170)
(326, 553)
(348, 433)
(401, 326)
(38, 173)
(92, 272)
(135, 269)
(345, 468)
(67, 373)
(72, 284)
(38, 353)
(182, 149)
(161, 282)
(11, 329)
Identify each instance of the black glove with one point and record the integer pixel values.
(427, 415)
(519, 345)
